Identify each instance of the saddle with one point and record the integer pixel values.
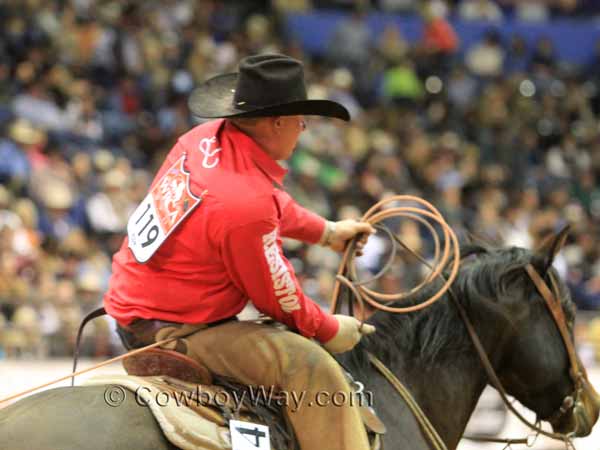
(177, 374)
(157, 361)
(188, 421)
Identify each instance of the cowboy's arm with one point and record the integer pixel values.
(255, 262)
(299, 223)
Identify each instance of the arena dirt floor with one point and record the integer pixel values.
(20, 375)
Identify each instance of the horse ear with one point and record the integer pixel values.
(549, 248)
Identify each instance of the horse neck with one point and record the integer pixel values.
(446, 392)
(447, 395)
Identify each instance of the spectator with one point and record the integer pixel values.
(486, 59)
(26, 238)
(340, 90)
(351, 43)
(517, 58)
(62, 212)
(485, 10)
(36, 105)
(391, 45)
(439, 42)
(543, 56)
(401, 84)
(532, 11)
(15, 167)
(109, 209)
(462, 89)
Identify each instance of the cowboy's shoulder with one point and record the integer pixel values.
(244, 203)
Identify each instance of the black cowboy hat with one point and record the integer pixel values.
(266, 85)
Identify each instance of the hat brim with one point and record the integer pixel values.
(214, 99)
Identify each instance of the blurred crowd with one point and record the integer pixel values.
(502, 138)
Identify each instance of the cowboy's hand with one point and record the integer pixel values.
(348, 335)
(339, 233)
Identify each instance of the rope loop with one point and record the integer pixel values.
(444, 254)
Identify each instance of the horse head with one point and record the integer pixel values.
(563, 395)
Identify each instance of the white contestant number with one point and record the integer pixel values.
(144, 231)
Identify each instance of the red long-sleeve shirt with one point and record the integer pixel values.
(227, 251)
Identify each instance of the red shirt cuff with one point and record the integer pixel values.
(328, 329)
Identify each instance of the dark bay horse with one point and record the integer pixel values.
(429, 351)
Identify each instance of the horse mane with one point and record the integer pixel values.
(435, 335)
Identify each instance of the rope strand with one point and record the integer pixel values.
(89, 369)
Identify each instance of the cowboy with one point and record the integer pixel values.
(207, 239)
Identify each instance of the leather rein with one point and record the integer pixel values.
(551, 299)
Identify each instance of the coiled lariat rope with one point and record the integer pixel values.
(385, 209)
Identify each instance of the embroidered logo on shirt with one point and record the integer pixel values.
(283, 283)
(205, 149)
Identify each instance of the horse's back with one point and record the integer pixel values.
(76, 418)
